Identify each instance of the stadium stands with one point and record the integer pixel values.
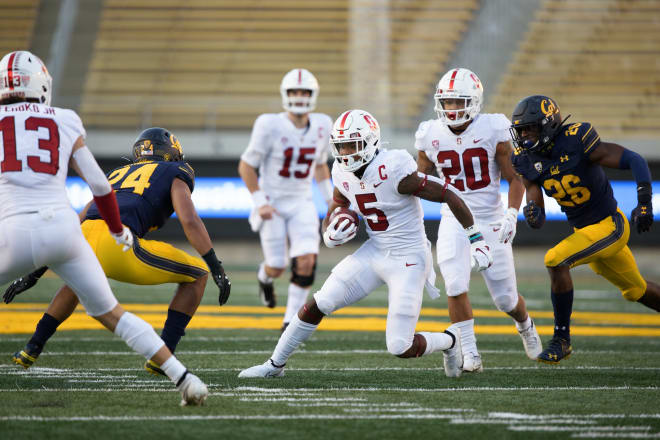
(600, 59)
(218, 63)
(16, 24)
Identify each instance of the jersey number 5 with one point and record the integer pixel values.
(454, 168)
(381, 223)
(51, 144)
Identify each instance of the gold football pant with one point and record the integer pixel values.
(603, 246)
(148, 262)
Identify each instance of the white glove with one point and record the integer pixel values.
(507, 226)
(479, 250)
(334, 236)
(125, 237)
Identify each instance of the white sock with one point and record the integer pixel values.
(436, 341)
(468, 339)
(138, 335)
(173, 368)
(262, 275)
(295, 334)
(524, 325)
(295, 300)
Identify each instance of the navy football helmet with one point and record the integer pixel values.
(157, 144)
(535, 123)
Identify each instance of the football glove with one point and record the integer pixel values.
(125, 237)
(219, 276)
(22, 284)
(534, 214)
(642, 217)
(334, 234)
(507, 226)
(479, 250)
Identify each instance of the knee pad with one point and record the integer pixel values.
(634, 293)
(504, 294)
(302, 280)
(398, 345)
(550, 259)
(505, 303)
(138, 335)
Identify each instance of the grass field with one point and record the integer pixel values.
(343, 383)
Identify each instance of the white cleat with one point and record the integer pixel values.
(472, 363)
(531, 342)
(453, 357)
(193, 391)
(267, 369)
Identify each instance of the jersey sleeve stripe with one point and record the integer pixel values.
(165, 264)
(592, 144)
(588, 131)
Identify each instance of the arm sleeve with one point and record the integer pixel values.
(420, 135)
(501, 125)
(187, 174)
(260, 144)
(589, 138)
(405, 166)
(324, 141)
(73, 123)
(91, 172)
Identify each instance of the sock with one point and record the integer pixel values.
(295, 334)
(523, 325)
(562, 304)
(262, 276)
(175, 328)
(295, 300)
(436, 341)
(174, 369)
(468, 339)
(45, 329)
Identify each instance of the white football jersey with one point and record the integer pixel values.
(285, 155)
(36, 147)
(467, 160)
(394, 220)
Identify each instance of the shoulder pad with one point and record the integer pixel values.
(423, 129)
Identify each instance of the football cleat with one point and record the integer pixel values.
(453, 357)
(193, 390)
(472, 363)
(24, 358)
(267, 294)
(268, 369)
(154, 368)
(558, 349)
(531, 342)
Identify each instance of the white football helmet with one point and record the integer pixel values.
(299, 79)
(459, 84)
(360, 128)
(24, 75)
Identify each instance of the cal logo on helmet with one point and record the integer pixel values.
(157, 144)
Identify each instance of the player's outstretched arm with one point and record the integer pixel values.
(424, 164)
(22, 284)
(251, 180)
(322, 177)
(507, 225)
(615, 156)
(198, 236)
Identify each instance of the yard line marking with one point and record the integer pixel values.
(578, 428)
(614, 435)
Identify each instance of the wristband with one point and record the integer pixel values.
(212, 261)
(259, 198)
(473, 233)
(644, 194)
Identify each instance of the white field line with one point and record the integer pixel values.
(313, 352)
(578, 428)
(302, 399)
(614, 435)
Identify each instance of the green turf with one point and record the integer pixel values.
(87, 384)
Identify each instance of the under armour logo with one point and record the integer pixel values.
(563, 158)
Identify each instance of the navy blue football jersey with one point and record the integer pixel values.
(578, 185)
(143, 193)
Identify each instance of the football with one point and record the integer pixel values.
(345, 213)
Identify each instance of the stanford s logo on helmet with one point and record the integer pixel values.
(24, 76)
(157, 144)
(358, 128)
(535, 122)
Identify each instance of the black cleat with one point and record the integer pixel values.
(558, 349)
(267, 294)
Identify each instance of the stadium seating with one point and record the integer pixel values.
(17, 24)
(218, 63)
(600, 59)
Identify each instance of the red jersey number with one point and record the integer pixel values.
(468, 163)
(50, 144)
(381, 223)
(305, 157)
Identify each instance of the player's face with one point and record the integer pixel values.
(346, 148)
(299, 93)
(454, 104)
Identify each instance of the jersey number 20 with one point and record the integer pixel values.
(467, 157)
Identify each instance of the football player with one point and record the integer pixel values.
(566, 160)
(148, 191)
(472, 151)
(285, 151)
(37, 224)
(385, 187)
